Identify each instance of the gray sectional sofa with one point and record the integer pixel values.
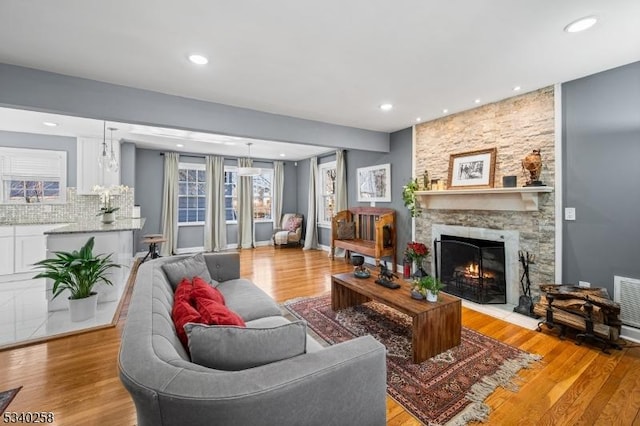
(344, 384)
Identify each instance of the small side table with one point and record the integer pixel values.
(153, 240)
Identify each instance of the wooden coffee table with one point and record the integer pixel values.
(436, 325)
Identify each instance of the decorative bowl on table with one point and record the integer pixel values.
(362, 273)
(359, 271)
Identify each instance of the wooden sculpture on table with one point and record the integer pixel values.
(532, 165)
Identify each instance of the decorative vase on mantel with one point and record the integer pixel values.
(108, 217)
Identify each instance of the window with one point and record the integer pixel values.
(32, 176)
(192, 199)
(262, 196)
(326, 192)
(230, 194)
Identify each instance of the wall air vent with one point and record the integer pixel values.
(626, 291)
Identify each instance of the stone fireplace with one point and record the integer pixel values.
(488, 274)
(521, 218)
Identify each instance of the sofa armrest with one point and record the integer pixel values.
(341, 384)
(223, 266)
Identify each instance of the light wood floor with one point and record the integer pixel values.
(76, 377)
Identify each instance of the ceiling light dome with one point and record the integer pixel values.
(198, 59)
(249, 171)
(581, 24)
(386, 107)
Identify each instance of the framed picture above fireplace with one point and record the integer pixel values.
(474, 169)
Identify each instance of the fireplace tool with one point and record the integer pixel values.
(525, 303)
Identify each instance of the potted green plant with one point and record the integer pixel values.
(78, 272)
(409, 197)
(429, 287)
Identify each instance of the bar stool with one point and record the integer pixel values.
(153, 240)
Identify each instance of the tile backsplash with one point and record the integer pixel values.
(78, 208)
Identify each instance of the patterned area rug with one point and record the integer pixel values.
(447, 389)
(6, 397)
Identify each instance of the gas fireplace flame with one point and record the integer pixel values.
(473, 271)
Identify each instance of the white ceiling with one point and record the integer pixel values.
(333, 60)
(14, 120)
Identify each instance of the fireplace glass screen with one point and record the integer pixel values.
(471, 268)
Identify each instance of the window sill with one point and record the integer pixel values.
(191, 224)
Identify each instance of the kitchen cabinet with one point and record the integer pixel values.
(89, 173)
(6, 248)
(30, 246)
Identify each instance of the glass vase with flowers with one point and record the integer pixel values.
(417, 253)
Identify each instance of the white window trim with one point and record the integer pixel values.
(191, 166)
(320, 197)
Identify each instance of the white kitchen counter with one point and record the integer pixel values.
(121, 224)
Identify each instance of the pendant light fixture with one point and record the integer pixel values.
(249, 171)
(103, 157)
(113, 161)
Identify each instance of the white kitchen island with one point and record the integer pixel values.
(115, 238)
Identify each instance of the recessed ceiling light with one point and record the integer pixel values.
(516, 89)
(386, 107)
(477, 101)
(230, 143)
(419, 119)
(198, 59)
(50, 124)
(581, 24)
(179, 145)
(283, 155)
(444, 111)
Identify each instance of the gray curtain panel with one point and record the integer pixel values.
(215, 225)
(170, 204)
(341, 189)
(311, 233)
(246, 238)
(278, 192)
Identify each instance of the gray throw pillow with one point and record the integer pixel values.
(237, 348)
(188, 267)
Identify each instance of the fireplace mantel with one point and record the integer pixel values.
(510, 199)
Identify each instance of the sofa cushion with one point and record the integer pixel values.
(216, 313)
(293, 223)
(187, 267)
(202, 289)
(247, 300)
(181, 314)
(184, 291)
(312, 344)
(233, 348)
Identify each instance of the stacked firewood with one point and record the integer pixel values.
(568, 309)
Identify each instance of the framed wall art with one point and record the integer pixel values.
(474, 169)
(374, 183)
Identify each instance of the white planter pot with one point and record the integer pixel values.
(83, 309)
(431, 297)
(108, 217)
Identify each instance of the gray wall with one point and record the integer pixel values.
(128, 164)
(55, 143)
(37, 90)
(601, 179)
(400, 159)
